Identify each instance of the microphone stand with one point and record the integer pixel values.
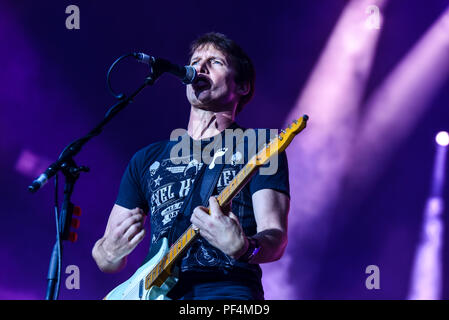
(71, 171)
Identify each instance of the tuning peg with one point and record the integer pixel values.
(77, 211)
(73, 236)
(75, 223)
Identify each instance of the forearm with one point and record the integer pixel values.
(272, 244)
(105, 261)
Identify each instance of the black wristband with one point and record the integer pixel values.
(253, 249)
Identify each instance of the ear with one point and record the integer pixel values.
(243, 89)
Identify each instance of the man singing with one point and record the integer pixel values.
(223, 263)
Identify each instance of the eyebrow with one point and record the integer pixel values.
(211, 57)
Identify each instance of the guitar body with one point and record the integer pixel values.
(134, 287)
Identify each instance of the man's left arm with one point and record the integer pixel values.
(271, 212)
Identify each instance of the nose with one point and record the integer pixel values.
(201, 67)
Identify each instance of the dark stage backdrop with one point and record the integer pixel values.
(52, 90)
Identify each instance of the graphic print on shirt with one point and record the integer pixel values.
(156, 182)
(170, 212)
(165, 203)
(205, 257)
(217, 154)
(236, 158)
(168, 185)
(193, 164)
(154, 167)
(176, 169)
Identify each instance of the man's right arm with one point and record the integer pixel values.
(124, 231)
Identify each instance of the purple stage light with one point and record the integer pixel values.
(30, 164)
(331, 96)
(427, 273)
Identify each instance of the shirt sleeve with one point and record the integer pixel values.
(131, 193)
(278, 181)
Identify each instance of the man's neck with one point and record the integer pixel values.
(205, 124)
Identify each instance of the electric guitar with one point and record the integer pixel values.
(154, 279)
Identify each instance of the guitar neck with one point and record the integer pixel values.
(239, 181)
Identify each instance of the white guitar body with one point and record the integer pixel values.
(134, 287)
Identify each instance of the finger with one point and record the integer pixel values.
(197, 221)
(203, 209)
(133, 230)
(200, 213)
(206, 235)
(232, 216)
(136, 210)
(125, 225)
(131, 217)
(214, 207)
(124, 218)
(137, 238)
(226, 208)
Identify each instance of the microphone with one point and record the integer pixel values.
(39, 182)
(187, 74)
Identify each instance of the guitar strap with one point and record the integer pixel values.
(199, 194)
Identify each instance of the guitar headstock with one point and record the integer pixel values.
(282, 140)
(287, 135)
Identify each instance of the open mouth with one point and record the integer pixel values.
(202, 83)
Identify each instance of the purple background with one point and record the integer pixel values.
(53, 91)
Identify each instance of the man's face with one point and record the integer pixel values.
(216, 89)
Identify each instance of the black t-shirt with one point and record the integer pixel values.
(154, 182)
